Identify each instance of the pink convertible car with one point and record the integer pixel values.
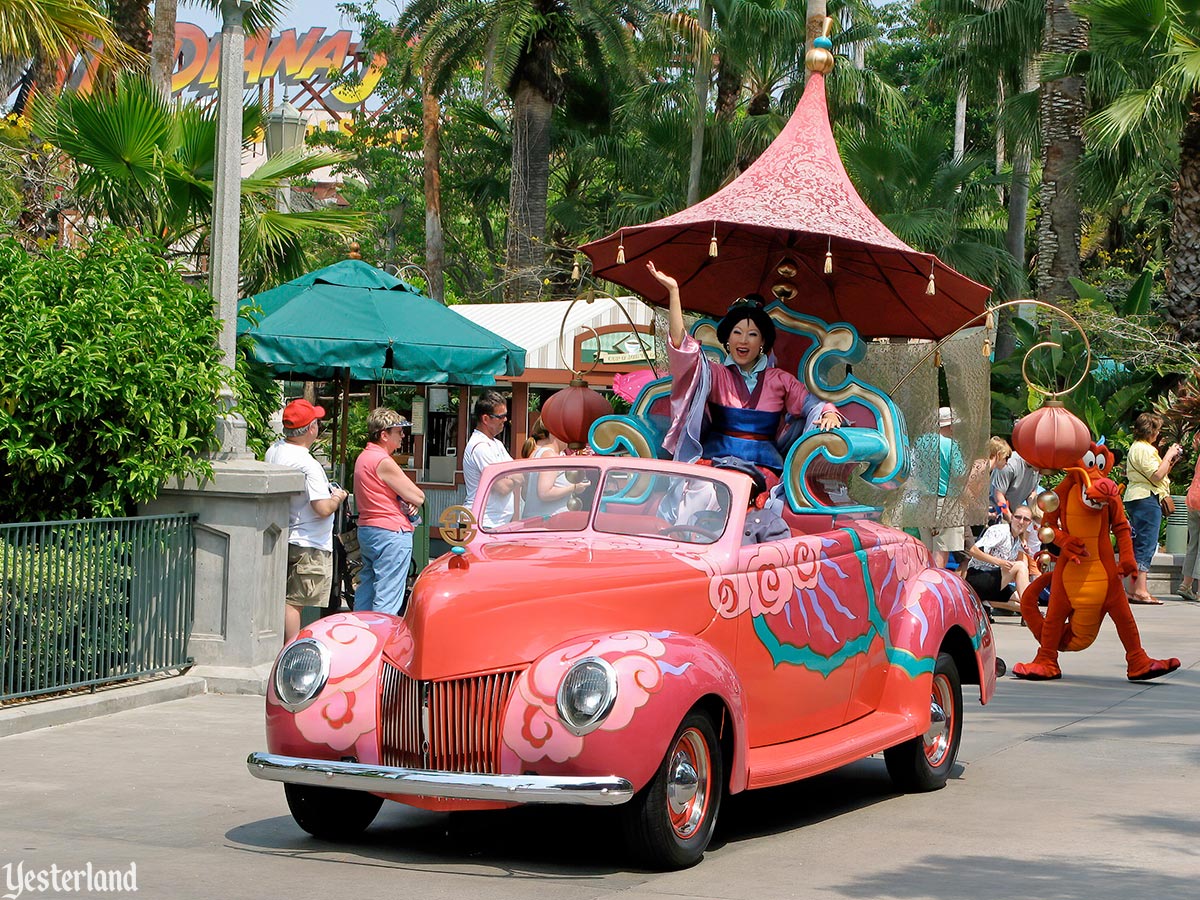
(629, 653)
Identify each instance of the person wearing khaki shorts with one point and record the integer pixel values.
(309, 576)
(310, 515)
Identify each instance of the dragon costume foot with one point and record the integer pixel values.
(1156, 668)
(1037, 671)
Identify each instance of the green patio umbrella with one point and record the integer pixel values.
(351, 320)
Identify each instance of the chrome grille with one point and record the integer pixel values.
(447, 726)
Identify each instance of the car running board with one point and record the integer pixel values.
(803, 758)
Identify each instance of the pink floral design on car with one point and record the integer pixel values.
(532, 728)
(341, 716)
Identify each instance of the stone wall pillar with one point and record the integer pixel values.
(241, 567)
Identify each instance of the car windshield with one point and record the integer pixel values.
(689, 508)
(552, 498)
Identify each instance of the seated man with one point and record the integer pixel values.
(762, 523)
(996, 569)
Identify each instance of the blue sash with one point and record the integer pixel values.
(748, 434)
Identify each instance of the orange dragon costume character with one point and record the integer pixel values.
(1085, 584)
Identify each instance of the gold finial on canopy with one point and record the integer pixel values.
(820, 57)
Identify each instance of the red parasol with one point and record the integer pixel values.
(778, 228)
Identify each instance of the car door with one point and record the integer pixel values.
(804, 626)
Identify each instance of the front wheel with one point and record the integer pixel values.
(670, 822)
(924, 763)
(331, 814)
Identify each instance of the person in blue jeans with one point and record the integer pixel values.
(387, 502)
(1147, 476)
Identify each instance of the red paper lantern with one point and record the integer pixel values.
(568, 414)
(1051, 437)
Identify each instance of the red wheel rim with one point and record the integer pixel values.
(689, 783)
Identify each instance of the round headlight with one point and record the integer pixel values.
(586, 695)
(300, 673)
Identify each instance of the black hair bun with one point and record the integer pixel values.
(754, 300)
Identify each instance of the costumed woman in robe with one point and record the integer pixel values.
(744, 398)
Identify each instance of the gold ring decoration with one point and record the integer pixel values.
(457, 524)
(589, 296)
(991, 311)
(1055, 394)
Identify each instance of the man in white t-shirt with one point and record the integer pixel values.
(310, 516)
(484, 448)
(995, 569)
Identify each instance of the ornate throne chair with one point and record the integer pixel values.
(818, 465)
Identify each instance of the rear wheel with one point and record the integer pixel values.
(331, 814)
(924, 763)
(670, 821)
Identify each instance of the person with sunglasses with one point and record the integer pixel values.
(484, 447)
(995, 569)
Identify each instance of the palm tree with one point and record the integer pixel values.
(52, 29)
(1061, 114)
(1147, 66)
(162, 44)
(526, 45)
(131, 22)
(907, 176)
(144, 165)
(760, 48)
(999, 40)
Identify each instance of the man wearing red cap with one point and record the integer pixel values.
(310, 518)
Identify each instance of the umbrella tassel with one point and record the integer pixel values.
(712, 243)
(931, 288)
(829, 257)
(575, 273)
(621, 250)
(987, 348)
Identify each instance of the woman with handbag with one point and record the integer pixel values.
(1147, 497)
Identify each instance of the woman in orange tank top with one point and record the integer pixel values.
(387, 499)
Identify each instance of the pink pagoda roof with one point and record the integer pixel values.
(773, 227)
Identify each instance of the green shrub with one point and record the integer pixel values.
(111, 375)
(64, 609)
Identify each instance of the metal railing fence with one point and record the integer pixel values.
(92, 601)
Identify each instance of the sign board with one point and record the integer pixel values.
(315, 59)
(615, 345)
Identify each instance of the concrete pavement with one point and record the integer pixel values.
(1082, 788)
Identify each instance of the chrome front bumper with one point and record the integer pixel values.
(604, 790)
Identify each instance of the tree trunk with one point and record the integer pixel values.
(1183, 267)
(162, 46)
(1001, 97)
(960, 121)
(1018, 194)
(435, 249)
(703, 75)
(1018, 203)
(131, 22)
(814, 25)
(729, 89)
(526, 254)
(1061, 112)
(1001, 142)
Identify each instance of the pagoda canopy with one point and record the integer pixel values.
(793, 227)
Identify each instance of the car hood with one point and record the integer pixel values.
(503, 604)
